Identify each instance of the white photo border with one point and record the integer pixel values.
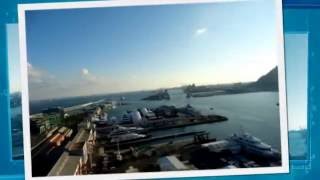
(284, 168)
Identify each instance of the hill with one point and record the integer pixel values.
(267, 82)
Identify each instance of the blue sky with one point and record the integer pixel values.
(103, 50)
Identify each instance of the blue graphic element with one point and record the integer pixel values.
(299, 16)
(296, 53)
(15, 90)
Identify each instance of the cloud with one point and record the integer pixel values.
(36, 75)
(201, 31)
(82, 83)
(85, 71)
(43, 85)
(89, 77)
(41, 82)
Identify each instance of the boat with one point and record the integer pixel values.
(120, 130)
(255, 146)
(131, 129)
(127, 137)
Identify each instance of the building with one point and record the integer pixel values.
(77, 158)
(39, 125)
(54, 115)
(171, 163)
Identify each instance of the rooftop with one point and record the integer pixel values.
(67, 163)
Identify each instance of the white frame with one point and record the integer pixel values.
(150, 175)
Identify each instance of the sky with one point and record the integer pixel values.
(296, 52)
(78, 52)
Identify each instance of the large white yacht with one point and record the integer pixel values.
(119, 130)
(254, 145)
(127, 137)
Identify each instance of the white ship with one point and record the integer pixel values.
(254, 145)
(120, 130)
(131, 129)
(127, 137)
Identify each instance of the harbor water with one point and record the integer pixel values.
(256, 113)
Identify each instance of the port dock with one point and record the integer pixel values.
(101, 145)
